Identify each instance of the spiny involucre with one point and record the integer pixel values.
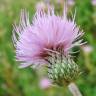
(47, 36)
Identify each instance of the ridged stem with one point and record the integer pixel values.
(74, 89)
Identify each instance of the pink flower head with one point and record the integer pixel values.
(45, 83)
(71, 2)
(94, 2)
(87, 49)
(47, 33)
(40, 6)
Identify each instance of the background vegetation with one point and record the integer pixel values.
(25, 82)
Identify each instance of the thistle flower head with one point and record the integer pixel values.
(45, 83)
(48, 39)
(87, 49)
(47, 33)
(40, 6)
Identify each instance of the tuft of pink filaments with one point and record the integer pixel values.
(47, 34)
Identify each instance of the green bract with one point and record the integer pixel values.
(63, 71)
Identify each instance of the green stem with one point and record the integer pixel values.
(74, 89)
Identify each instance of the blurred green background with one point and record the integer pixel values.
(25, 82)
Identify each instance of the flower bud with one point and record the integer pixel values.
(63, 71)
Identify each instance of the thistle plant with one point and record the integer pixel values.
(48, 40)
